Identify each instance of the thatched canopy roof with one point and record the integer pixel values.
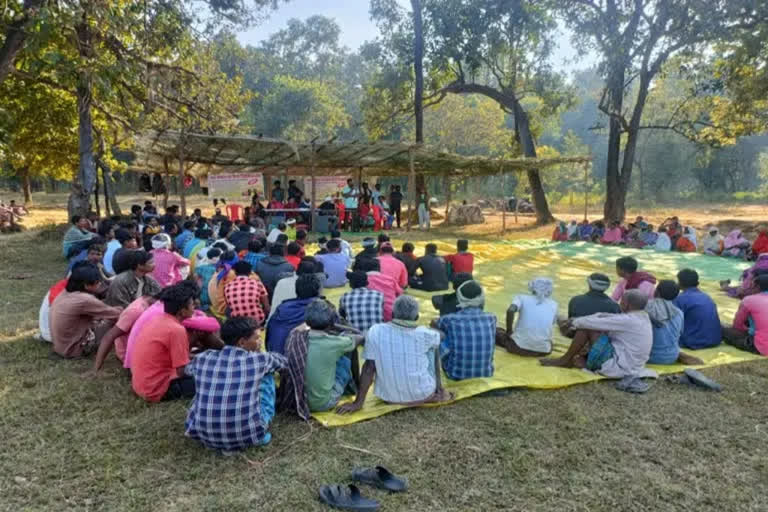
(213, 154)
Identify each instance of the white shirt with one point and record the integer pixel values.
(663, 243)
(350, 202)
(404, 358)
(534, 323)
(112, 248)
(272, 237)
(346, 248)
(285, 289)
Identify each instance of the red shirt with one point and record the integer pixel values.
(294, 261)
(161, 348)
(461, 262)
(245, 297)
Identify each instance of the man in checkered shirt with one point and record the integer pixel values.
(246, 295)
(362, 308)
(235, 390)
(470, 336)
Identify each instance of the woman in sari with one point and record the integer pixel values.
(735, 245)
(748, 285)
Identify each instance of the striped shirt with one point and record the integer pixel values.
(404, 358)
(470, 339)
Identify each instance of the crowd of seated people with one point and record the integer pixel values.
(671, 235)
(186, 315)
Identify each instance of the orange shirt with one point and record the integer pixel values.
(685, 245)
(161, 348)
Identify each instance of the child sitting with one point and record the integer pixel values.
(235, 390)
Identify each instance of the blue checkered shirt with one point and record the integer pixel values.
(470, 339)
(363, 308)
(254, 258)
(225, 413)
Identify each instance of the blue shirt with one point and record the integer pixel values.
(182, 239)
(701, 327)
(254, 258)
(666, 340)
(229, 411)
(336, 265)
(205, 273)
(112, 247)
(470, 339)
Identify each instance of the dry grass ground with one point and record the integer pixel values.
(75, 444)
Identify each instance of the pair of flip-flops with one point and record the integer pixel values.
(348, 497)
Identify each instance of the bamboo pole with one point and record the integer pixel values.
(411, 188)
(314, 191)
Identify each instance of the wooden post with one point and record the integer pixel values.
(517, 200)
(586, 190)
(182, 192)
(314, 192)
(448, 195)
(503, 201)
(411, 189)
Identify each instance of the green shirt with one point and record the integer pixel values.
(320, 372)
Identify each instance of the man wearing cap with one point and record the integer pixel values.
(595, 300)
(469, 336)
(369, 252)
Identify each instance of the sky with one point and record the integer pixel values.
(356, 27)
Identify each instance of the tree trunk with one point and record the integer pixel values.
(614, 202)
(26, 185)
(110, 197)
(543, 215)
(82, 188)
(418, 94)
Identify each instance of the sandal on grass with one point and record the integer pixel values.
(381, 478)
(346, 498)
(701, 380)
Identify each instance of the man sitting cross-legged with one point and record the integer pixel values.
(235, 390)
(331, 357)
(361, 307)
(532, 337)
(404, 360)
(750, 326)
(701, 324)
(667, 321)
(470, 336)
(613, 345)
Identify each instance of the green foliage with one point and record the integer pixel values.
(300, 110)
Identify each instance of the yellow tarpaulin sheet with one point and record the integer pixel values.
(504, 269)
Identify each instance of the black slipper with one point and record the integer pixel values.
(346, 498)
(701, 380)
(380, 477)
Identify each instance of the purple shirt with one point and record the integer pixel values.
(336, 265)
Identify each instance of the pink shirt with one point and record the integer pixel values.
(167, 267)
(394, 268)
(649, 289)
(612, 235)
(156, 309)
(755, 306)
(388, 287)
(127, 318)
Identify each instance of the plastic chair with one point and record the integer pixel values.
(234, 212)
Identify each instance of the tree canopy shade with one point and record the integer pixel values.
(241, 153)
